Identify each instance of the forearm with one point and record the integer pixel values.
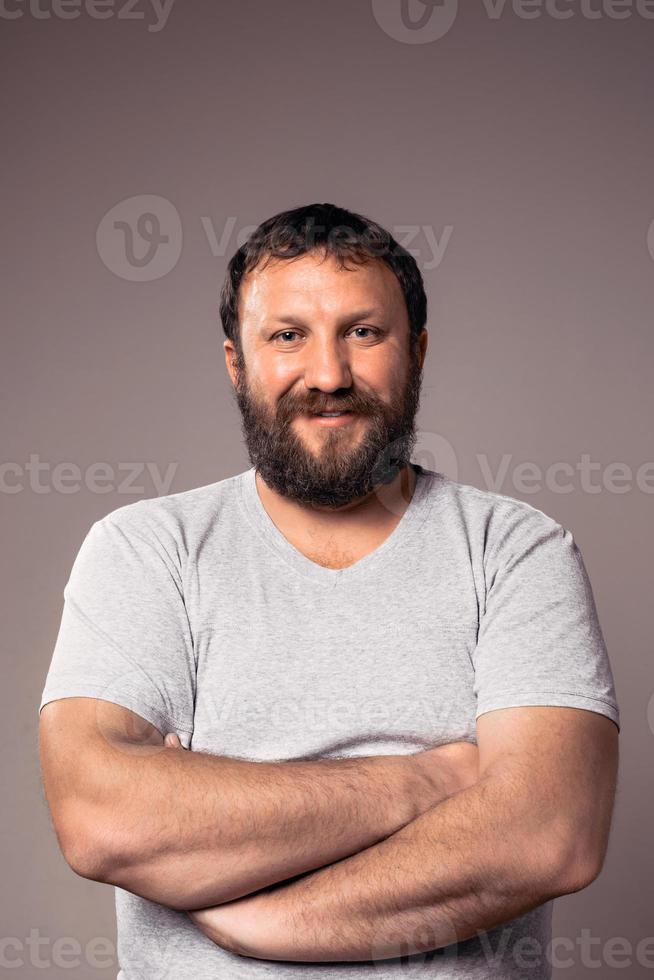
(192, 829)
(475, 861)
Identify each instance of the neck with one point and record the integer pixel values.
(382, 507)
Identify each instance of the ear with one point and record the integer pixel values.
(231, 360)
(423, 339)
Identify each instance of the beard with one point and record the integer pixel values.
(343, 467)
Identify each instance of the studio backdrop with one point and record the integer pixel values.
(508, 146)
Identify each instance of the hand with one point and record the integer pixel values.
(242, 926)
(444, 771)
(464, 760)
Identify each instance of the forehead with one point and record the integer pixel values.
(313, 285)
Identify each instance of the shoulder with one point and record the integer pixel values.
(495, 520)
(174, 523)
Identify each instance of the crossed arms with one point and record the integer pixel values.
(345, 859)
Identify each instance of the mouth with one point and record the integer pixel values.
(332, 414)
(332, 418)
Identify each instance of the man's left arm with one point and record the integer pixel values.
(535, 826)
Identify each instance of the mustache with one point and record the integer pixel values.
(359, 406)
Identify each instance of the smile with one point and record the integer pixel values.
(333, 418)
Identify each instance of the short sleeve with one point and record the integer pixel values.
(124, 634)
(539, 640)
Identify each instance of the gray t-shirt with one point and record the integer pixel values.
(195, 611)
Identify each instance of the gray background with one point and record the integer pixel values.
(530, 139)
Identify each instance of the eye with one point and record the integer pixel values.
(284, 333)
(369, 329)
(372, 331)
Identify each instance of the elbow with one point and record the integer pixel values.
(581, 871)
(87, 862)
(95, 850)
(86, 848)
(567, 870)
(585, 855)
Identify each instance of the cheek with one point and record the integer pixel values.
(378, 376)
(274, 377)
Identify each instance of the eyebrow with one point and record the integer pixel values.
(295, 321)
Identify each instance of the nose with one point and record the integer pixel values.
(327, 365)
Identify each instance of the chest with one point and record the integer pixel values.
(289, 668)
(334, 555)
(340, 551)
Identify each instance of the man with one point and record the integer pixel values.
(395, 688)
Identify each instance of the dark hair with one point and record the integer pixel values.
(339, 233)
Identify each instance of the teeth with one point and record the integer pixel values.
(330, 415)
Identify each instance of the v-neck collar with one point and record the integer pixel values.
(292, 556)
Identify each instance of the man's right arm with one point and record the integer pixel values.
(190, 829)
